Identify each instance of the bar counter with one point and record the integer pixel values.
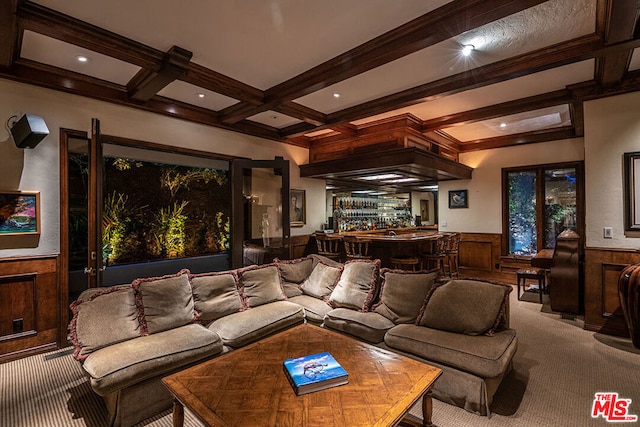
(387, 243)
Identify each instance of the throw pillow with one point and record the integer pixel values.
(295, 270)
(357, 285)
(465, 306)
(164, 302)
(108, 317)
(321, 281)
(261, 285)
(216, 295)
(402, 294)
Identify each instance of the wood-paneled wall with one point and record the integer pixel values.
(480, 251)
(601, 302)
(29, 306)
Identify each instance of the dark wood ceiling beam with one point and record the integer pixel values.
(63, 27)
(546, 135)
(543, 59)
(35, 73)
(576, 110)
(208, 79)
(621, 19)
(306, 114)
(57, 25)
(9, 32)
(146, 83)
(441, 24)
(536, 102)
(346, 129)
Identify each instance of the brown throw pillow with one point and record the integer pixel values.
(164, 302)
(216, 295)
(295, 270)
(357, 285)
(108, 317)
(261, 284)
(402, 294)
(321, 281)
(465, 306)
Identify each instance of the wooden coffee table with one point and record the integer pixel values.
(248, 387)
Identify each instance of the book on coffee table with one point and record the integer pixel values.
(314, 372)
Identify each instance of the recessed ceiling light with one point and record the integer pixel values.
(379, 177)
(82, 58)
(467, 49)
(200, 95)
(336, 95)
(363, 191)
(503, 125)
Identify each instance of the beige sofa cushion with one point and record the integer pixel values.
(369, 326)
(164, 302)
(216, 294)
(321, 281)
(465, 306)
(481, 355)
(402, 294)
(130, 362)
(295, 270)
(261, 284)
(239, 329)
(107, 317)
(314, 308)
(357, 285)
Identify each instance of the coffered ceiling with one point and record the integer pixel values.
(297, 71)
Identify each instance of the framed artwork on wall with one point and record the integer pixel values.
(19, 213)
(297, 208)
(632, 191)
(458, 199)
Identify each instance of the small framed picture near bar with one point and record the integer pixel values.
(19, 213)
(458, 199)
(632, 191)
(298, 208)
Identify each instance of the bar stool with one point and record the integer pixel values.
(453, 254)
(328, 247)
(534, 274)
(356, 248)
(400, 262)
(437, 257)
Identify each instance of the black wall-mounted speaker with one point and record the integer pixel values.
(29, 131)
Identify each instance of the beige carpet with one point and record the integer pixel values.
(557, 370)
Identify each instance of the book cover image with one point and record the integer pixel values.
(308, 373)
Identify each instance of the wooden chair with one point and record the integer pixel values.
(453, 254)
(328, 246)
(436, 258)
(404, 262)
(356, 248)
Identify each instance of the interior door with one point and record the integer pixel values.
(260, 226)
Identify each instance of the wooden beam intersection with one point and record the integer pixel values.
(420, 33)
(146, 83)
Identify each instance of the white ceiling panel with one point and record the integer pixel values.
(46, 50)
(194, 95)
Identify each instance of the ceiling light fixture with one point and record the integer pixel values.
(379, 177)
(467, 49)
(82, 58)
(503, 125)
(336, 95)
(200, 95)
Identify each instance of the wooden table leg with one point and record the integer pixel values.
(427, 409)
(178, 413)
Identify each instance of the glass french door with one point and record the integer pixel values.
(81, 170)
(260, 224)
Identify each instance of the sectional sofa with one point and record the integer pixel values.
(128, 337)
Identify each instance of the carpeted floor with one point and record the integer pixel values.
(557, 370)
